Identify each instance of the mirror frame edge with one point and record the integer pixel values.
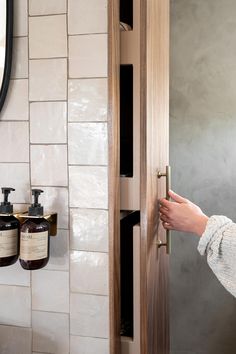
(8, 52)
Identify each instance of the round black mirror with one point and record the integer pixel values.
(6, 35)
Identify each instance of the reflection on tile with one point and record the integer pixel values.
(92, 60)
(59, 251)
(89, 272)
(20, 20)
(14, 275)
(88, 187)
(55, 199)
(48, 79)
(87, 100)
(47, 36)
(50, 291)
(16, 106)
(17, 174)
(15, 306)
(15, 340)
(86, 345)
(89, 230)
(49, 165)
(89, 315)
(50, 332)
(47, 7)
(20, 58)
(14, 142)
(88, 143)
(48, 122)
(93, 16)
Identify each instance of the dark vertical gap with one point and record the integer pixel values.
(126, 12)
(126, 272)
(126, 120)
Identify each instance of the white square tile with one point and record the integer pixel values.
(14, 275)
(87, 100)
(56, 200)
(88, 345)
(59, 251)
(48, 79)
(89, 315)
(88, 143)
(15, 306)
(48, 122)
(50, 291)
(91, 61)
(47, 7)
(47, 36)
(16, 175)
(88, 187)
(50, 332)
(15, 340)
(16, 106)
(14, 142)
(20, 58)
(93, 16)
(20, 208)
(89, 272)
(49, 165)
(89, 230)
(20, 18)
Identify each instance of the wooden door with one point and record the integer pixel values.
(154, 156)
(154, 102)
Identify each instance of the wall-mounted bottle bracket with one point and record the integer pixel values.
(50, 217)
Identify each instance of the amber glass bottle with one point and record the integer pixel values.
(34, 237)
(9, 231)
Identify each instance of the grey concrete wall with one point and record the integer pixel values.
(203, 157)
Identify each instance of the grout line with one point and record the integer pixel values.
(68, 177)
(80, 335)
(31, 319)
(87, 34)
(88, 78)
(84, 208)
(48, 15)
(46, 58)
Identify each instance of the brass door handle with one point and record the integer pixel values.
(167, 174)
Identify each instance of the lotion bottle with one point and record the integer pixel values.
(9, 231)
(34, 237)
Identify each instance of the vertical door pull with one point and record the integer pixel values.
(167, 174)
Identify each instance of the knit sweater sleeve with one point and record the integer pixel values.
(218, 243)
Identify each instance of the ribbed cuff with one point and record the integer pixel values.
(215, 224)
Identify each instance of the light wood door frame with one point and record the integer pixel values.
(114, 172)
(154, 126)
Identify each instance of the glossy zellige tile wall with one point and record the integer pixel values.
(64, 308)
(87, 100)
(93, 16)
(89, 230)
(47, 7)
(51, 40)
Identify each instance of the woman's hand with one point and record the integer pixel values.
(182, 215)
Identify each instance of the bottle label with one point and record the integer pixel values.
(33, 245)
(8, 243)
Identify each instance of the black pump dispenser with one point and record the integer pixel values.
(36, 209)
(6, 207)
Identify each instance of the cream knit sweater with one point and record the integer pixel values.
(218, 242)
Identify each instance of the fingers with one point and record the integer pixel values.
(167, 226)
(165, 203)
(164, 218)
(176, 197)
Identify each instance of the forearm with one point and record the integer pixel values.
(218, 242)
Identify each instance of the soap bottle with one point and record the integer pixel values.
(34, 237)
(9, 231)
